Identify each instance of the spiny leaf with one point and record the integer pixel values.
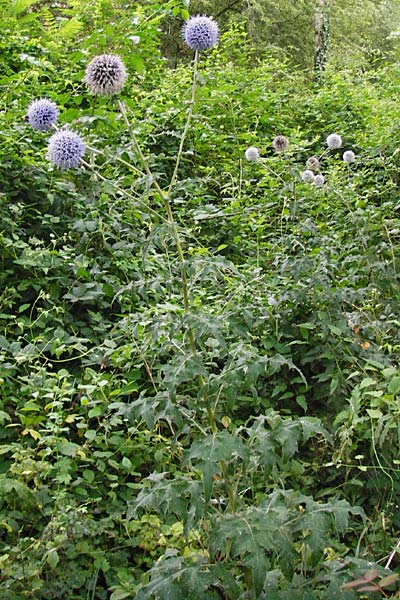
(208, 453)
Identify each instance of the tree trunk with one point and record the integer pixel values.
(321, 24)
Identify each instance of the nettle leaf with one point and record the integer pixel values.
(208, 453)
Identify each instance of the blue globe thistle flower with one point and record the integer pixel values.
(105, 75)
(280, 143)
(200, 33)
(252, 154)
(313, 163)
(307, 176)
(66, 149)
(319, 180)
(349, 156)
(334, 141)
(42, 114)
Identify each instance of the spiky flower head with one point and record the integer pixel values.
(42, 114)
(66, 149)
(307, 176)
(349, 156)
(200, 33)
(105, 75)
(280, 143)
(334, 141)
(252, 154)
(313, 163)
(319, 180)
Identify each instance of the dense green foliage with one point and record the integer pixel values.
(240, 441)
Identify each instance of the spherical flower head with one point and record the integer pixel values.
(252, 154)
(349, 156)
(280, 143)
(66, 149)
(105, 75)
(307, 176)
(334, 141)
(200, 33)
(319, 180)
(313, 163)
(42, 114)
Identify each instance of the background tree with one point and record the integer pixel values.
(358, 29)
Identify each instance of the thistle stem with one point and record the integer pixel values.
(165, 198)
(187, 124)
(123, 191)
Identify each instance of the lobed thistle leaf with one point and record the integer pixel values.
(42, 114)
(66, 149)
(200, 33)
(105, 75)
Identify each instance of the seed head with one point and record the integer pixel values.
(105, 75)
(66, 149)
(349, 156)
(200, 33)
(313, 163)
(42, 114)
(252, 154)
(307, 176)
(319, 180)
(334, 141)
(280, 143)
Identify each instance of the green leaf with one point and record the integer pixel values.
(70, 28)
(68, 448)
(19, 6)
(52, 558)
(394, 385)
(88, 475)
(126, 463)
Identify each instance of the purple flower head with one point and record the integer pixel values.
(105, 75)
(66, 149)
(200, 33)
(42, 114)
